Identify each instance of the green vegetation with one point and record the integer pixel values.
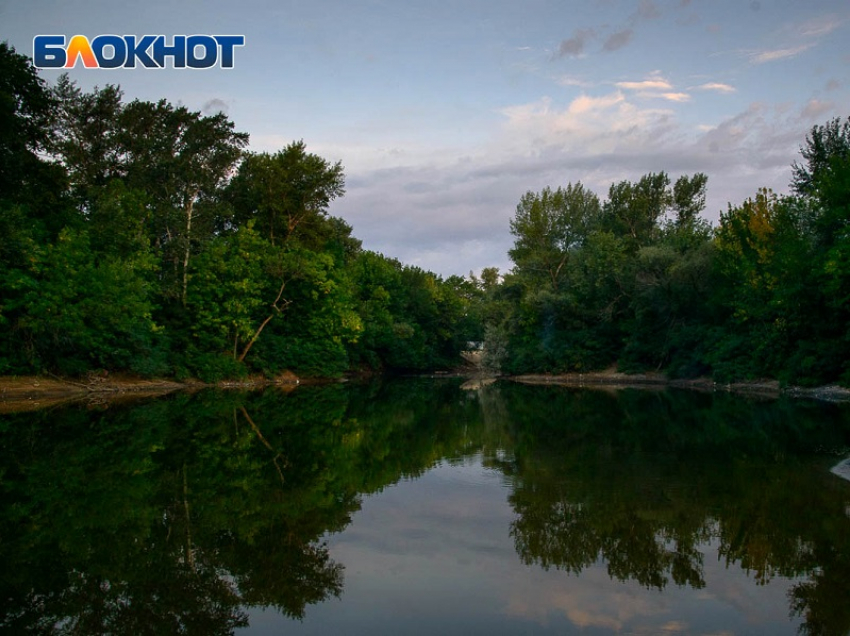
(641, 280)
(142, 237)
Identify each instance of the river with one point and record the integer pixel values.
(418, 507)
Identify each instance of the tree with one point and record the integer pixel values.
(85, 137)
(242, 287)
(34, 207)
(768, 285)
(284, 199)
(25, 113)
(182, 160)
(669, 303)
(548, 227)
(82, 310)
(825, 179)
(634, 210)
(287, 194)
(826, 149)
(228, 291)
(411, 319)
(689, 198)
(177, 157)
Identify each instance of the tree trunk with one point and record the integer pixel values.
(190, 208)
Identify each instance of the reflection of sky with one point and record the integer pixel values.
(434, 556)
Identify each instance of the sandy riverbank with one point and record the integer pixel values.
(29, 393)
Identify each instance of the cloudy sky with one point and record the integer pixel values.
(445, 113)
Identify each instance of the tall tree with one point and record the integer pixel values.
(548, 227)
(33, 203)
(823, 180)
(25, 111)
(284, 197)
(826, 151)
(182, 160)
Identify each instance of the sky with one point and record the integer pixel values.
(444, 114)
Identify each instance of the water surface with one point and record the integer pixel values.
(417, 507)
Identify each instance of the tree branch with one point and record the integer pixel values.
(277, 310)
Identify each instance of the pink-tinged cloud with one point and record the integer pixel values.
(817, 109)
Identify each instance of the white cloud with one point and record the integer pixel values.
(676, 97)
(806, 35)
(761, 57)
(818, 27)
(587, 104)
(716, 86)
(654, 87)
(431, 208)
(566, 80)
(648, 84)
(523, 113)
(605, 122)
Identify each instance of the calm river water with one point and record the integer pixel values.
(418, 507)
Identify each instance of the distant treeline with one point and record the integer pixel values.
(142, 237)
(640, 279)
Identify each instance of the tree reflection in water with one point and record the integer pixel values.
(178, 515)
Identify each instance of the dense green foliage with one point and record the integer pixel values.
(642, 281)
(143, 237)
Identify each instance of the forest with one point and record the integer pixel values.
(145, 238)
(642, 280)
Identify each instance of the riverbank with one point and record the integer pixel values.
(28, 393)
(615, 379)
